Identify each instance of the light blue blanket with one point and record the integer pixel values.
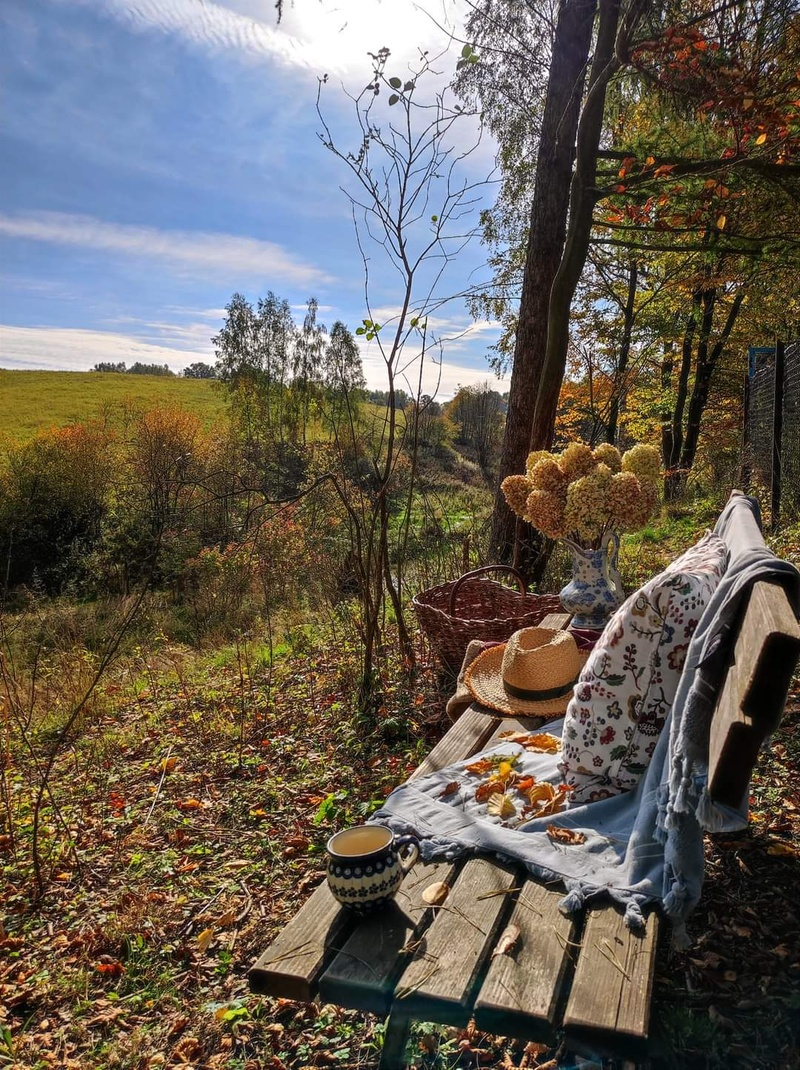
(645, 846)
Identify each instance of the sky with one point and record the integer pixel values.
(160, 155)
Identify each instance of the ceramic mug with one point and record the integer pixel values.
(366, 866)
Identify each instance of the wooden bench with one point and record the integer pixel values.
(588, 975)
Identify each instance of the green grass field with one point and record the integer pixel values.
(35, 401)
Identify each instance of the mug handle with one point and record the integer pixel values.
(411, 843)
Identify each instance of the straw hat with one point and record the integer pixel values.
(533, 673)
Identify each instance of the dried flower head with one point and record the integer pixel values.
(547, 475)
(577, 460)
(643, 462)
(607, 454)
(546, 512)
(515, 491)
(534, 458)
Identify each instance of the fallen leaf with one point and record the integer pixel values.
(483, 765)
(449, 789)
(111, 969)
(204, 939)
(543, 742)
(189, 804)
(484, 791)
(499, 805)
(783, 850)
(436, 893)
(168, 764)
(565, 836)
(507, 940)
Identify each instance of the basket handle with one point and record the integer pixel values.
(479, 572)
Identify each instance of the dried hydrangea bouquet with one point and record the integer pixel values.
(588, 498)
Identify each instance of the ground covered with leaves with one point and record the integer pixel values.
(186, 821)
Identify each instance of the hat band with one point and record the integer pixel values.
(539, 696)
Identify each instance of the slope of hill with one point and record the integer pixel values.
(34, 400)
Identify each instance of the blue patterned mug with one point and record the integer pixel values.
(366, 866)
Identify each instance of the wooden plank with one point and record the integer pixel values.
(290, 966)
(555, 620)
(613, 981)
(753, 696)
(363, 973)
(520, 994)
(438, 983)
(467, 736)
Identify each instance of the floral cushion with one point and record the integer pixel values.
(627, 686)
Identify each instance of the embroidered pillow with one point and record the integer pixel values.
(627, 686)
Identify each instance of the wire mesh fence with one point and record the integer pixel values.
(771, 454)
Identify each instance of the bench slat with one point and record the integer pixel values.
(521, 991)
(290, 966)
(754, 693)
(467, 736)
(362, 975)
(613, 978)
(438, 984)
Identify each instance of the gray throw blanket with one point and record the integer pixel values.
(645, 846)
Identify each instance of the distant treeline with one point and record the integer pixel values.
(198, 370)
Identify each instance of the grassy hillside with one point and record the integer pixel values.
(33, 401)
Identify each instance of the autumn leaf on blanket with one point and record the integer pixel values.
(543, 742)
(545, 800)
(483, 765)
(491, 762)
(499, 805)
(484, 791)
(449, 789)
(514, 736)
(507, 941)
(566, 836)
(526, 784)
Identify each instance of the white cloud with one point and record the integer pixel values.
(74, 349)
(331, 36)
(207, 253)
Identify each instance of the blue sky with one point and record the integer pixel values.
(159, 155)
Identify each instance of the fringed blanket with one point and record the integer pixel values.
(639, 847)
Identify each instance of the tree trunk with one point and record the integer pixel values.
(706, 363)
(624, 354)
(672, 456)
(581, 208)
(571, 45)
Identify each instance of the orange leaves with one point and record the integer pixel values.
(483, 765)
(185, 805)
(109, 967)
(568, 837)
(489, 788)
(663, 169)
(543, 742)
(449, 789)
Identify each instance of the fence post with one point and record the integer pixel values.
(777, 433)
(745, 468)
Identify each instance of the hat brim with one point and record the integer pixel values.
(484, 679)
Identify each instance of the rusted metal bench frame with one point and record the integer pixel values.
(589, 976)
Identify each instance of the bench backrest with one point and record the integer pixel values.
(753, 697)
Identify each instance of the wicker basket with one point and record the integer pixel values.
(452, 614)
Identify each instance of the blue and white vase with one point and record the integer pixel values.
(595, 590)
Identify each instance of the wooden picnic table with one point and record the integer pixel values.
(587, 975)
